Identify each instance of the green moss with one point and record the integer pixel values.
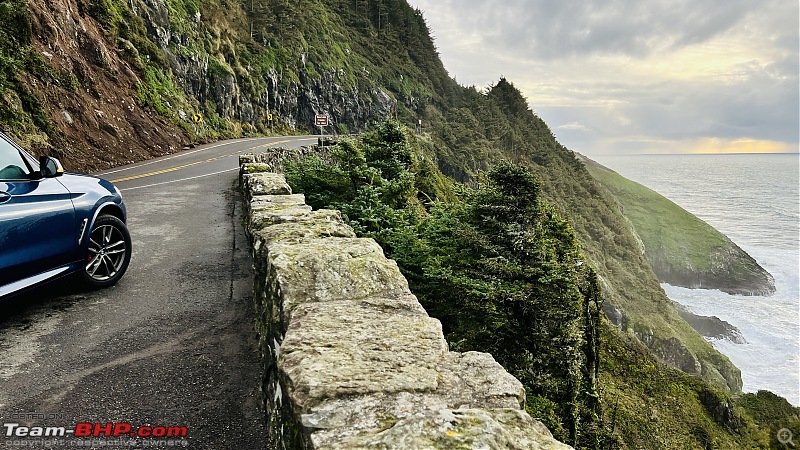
(649, 406)
(21, 108)
(218, 69)
(105, 12)
(387, 421)
(182, 16)
(156, 88)
(256, 168)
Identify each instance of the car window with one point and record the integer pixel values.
(12, 165)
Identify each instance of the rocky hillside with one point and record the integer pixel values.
(65, 89)
(104, 82)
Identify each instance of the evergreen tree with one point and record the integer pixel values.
(505, 276)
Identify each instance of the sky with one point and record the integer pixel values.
(633, 76)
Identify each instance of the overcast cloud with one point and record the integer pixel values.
(629, 76)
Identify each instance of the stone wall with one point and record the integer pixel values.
(274, 160)
(351, 358)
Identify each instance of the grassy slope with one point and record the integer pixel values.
(682, 249)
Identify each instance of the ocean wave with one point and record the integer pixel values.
(752, 199)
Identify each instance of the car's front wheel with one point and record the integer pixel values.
(109, 252)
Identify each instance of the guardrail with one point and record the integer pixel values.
(351, 358)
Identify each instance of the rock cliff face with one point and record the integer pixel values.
(129, 76)
(352, 360)
(711, 327)
(218, 75)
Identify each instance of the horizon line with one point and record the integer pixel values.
(696, 153)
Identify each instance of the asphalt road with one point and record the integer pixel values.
(172, 344)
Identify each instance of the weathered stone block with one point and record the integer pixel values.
(264, 218)
(331, 269)
(265, 184)
(296, 232)
(458, 429)
(476, 380)
(344, 348)
(272, 202)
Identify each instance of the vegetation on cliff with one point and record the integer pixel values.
(21, 108)
(496, 125)
(498, 266)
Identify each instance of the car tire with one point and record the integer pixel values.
(109, 252)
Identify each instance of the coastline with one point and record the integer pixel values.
(752, 199)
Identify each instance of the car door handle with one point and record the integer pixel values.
(4, 197)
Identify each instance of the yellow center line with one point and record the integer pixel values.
(159, 172)
(173, 169)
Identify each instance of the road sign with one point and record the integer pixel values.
(321, 120)
(269, 117)
(198, 118)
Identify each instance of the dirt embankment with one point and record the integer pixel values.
(97, 121)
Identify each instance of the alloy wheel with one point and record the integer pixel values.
(107, 252)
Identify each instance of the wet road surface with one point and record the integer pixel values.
(172, 344)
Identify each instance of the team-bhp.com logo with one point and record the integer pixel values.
(86, 429)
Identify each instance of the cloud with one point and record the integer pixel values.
(547, 29)
(576, 126)
(641, 73)
(756, 108)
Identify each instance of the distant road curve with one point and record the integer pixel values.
(203, 161)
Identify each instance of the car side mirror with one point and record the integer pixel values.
(50, 167)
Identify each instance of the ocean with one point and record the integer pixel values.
(754, 200)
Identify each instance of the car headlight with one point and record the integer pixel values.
(118, 192)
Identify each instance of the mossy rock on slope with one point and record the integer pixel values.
(648, 406)
(682, 249)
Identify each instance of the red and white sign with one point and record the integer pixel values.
(321, 120)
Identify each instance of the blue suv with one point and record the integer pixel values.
(54, 224)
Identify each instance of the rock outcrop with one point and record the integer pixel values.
(731, 270)
(682, 249)
(711, 327)
(240, 95)
(351, 358)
